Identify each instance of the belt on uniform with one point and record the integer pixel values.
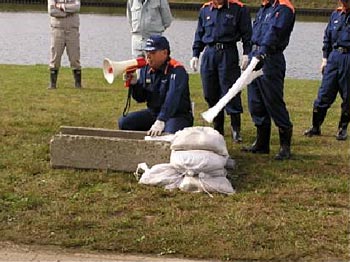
(342, 49)
(221, 46)
(256, 48)
(270, 50)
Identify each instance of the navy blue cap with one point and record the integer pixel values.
(156, 42)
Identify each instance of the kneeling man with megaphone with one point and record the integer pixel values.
(163, 85)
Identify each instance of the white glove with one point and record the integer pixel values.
(157, 128)
(323, 65)
(244, 63)
(194, 63)
(130, 78)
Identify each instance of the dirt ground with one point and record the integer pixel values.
(10, 252)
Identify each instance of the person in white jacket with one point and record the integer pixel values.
(146, 18)
(64, 23)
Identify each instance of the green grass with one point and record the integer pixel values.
(283, 211)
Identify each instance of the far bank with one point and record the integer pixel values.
(304, 8)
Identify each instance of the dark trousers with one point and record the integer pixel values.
(336, 78)
(219, 71)
(265, 94)
(144, 119)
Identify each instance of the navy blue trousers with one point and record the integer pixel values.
(219, 71)
(265, 94)
(336, 78)
(144, 119)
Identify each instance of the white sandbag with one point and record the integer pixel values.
(191, 184)
(205, 183)
(199, 161)
(199, 138)
(217, 184)
(160, 175)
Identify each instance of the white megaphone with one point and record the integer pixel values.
(111, 69)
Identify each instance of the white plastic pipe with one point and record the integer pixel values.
(246, 78)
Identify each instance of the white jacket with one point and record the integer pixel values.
(66, 16)
(151, 17)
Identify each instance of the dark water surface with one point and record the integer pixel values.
(25, 39)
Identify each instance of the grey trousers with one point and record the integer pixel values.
(62, 38)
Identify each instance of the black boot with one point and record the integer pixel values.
(236, 128)
(262, 142)
(285, 141)
(53, 78)
(342, 127)
(77, 78)
(219, 122)
(318, 116)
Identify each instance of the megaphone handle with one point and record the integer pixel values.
(127, 83)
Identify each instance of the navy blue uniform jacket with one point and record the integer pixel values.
(166, 90)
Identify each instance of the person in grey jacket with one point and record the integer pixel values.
(146, 18)
(64, 23)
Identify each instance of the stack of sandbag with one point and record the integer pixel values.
(197, 163)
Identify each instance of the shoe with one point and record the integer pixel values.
(77, 78)
(262, 142)
(284, 153)
(256, 149)
(313, 131)
(236, 128)
(236, 137)
(342, 134)
(53, 78)
(285, 135)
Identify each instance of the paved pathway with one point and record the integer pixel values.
(14, 253)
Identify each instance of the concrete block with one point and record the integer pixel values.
(96, 148)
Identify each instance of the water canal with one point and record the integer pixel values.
(24, 39)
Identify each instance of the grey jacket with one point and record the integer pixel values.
(151, 17)
(67, 16)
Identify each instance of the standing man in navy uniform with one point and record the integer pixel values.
(163, 85)
(271, 32)
(221, 24)
(336, 72)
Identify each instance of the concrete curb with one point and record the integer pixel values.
(10, 252)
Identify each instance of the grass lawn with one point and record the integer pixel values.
(282, 211)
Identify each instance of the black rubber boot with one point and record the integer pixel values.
(53, 78)
(219, 122)
(262, 142)
(285, 142)
(318, 116)
(342, 127)
(236, 128)
(77, 78)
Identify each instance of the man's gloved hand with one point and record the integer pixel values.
(194, 63)
(323, 65)
(244, 63)
(157, 128)
(130, 78)
(260, 64)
